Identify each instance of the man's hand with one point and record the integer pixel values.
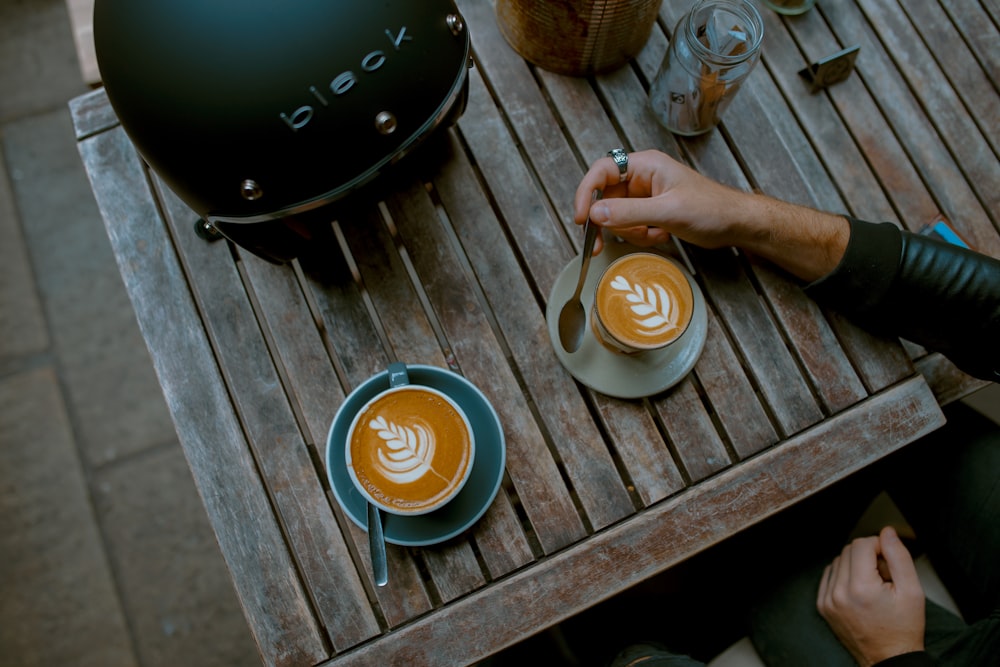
(872, 599)
(662, 197)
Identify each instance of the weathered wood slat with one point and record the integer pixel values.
(583, 118)
(536, 233)
(580, 446)
(854, 102)
(660, 537)
(993, 8)
(581, 452)
(826, 365)
(650, 58)
(691, 431)
(753, 329)
(312, 384)
(92, 114)
(408, 328)
(407, 597)
(936, 167)
(880, 360)
(346, 320)
(272, 431)
(950, 114)
(760, 129)
(628, 102)
(531, 467)
(970, 20)
(743, 419)
(646, 458)
(453, 569)
(823, 122)
(273, 597)
(972, 85)
(501, 542)
(515, 90)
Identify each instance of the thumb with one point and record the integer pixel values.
(620, 213)
(898, 558)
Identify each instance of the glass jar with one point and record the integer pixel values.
(790, 7)
(712, 50)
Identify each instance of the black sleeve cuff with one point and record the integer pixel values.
(915, 659)
(862, 279)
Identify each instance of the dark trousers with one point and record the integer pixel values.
(947, 485)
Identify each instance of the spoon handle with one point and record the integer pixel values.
(590, 231)
(376, 544)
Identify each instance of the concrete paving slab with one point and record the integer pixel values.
(22, 326)
(115, 398)
(59, 604)
(38, 63)
(174, 583)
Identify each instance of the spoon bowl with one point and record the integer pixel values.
(573, 316)
(572, 323)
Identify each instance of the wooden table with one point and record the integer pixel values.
(453, 270)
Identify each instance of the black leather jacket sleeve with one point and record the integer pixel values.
(941, 296)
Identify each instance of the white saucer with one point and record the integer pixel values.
(620, 375)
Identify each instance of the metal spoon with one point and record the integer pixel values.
(376, 539)
(573, 316)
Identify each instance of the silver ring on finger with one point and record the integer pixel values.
(621, 160)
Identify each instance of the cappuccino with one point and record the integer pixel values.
(643, 302)
(410, 450)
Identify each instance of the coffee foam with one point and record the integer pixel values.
(410, 449)
(643, 301)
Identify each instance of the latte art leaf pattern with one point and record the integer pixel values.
(408, 452)
(652, 306)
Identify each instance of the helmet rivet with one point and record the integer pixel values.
(385, 122)
(455, 24)
(250, 190)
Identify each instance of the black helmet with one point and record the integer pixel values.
(254, 111)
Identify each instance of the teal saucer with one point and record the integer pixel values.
(475, 497)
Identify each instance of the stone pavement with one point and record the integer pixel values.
(106, 555)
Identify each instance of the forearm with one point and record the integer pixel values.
(805, 242)
(942, 297)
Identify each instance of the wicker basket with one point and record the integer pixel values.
(577, 37)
